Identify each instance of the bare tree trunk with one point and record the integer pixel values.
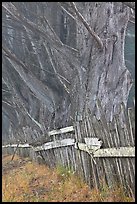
(102, 74)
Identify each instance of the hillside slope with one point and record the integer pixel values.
(26, 181)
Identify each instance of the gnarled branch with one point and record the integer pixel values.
(81, 18)
(130, 4)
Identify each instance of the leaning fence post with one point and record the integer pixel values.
(15, 151)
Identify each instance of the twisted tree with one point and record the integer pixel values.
(59, 58)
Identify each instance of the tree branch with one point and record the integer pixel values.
(81, 18)
(8, 104)
(64, 49)
(66, 11)
(132, 19)
(130, 4)
(40, 91)
(52, 63)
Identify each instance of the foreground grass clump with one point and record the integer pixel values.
(26, 181)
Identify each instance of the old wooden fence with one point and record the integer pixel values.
(96, 149)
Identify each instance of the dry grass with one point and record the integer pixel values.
(26, 181)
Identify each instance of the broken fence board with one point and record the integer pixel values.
(116, 152)
(15, 145)
(62, 130)
(55, 144)
(109, 152)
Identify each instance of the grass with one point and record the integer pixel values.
(26, 181)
